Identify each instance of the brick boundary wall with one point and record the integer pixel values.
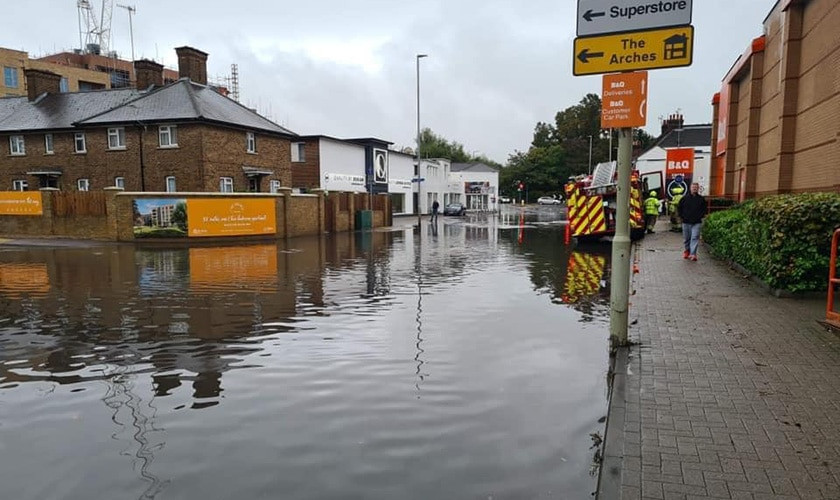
(296, 215)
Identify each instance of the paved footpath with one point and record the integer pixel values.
(731, 392)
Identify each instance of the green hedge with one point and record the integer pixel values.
(784, 240)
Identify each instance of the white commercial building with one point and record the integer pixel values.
(479, 183)
(354, 165)
(434, 185)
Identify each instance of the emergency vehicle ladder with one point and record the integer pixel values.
(832, 317)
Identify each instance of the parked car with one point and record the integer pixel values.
(548, 200)
(504, 199)
(454, 209)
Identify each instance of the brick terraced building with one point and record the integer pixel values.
(777, 117)
(183, 136)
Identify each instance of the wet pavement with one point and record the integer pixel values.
(730, 393)
(463, 359)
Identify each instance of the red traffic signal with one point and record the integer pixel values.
(521, 186)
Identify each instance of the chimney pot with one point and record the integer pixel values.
(39, 82)
(192, 63)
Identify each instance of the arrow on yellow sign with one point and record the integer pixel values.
(653, 49)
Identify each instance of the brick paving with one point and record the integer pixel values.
(730, 392)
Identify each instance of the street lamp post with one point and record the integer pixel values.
(590, 155)
(419, 170)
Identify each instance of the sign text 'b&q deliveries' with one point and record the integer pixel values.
(624, 100)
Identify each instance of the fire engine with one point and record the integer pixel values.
(591, 202)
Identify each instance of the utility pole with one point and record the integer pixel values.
(131, 10)
(620, 289)
(590, 155)
(419, 169)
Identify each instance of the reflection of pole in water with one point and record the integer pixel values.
(418, 317)
(120, 395)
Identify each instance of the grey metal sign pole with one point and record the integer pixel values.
(620, 280)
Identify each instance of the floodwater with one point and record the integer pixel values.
(466, 360)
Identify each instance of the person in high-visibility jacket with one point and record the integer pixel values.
(676, 224)
(651, 211)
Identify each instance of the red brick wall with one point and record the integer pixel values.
(307, 174)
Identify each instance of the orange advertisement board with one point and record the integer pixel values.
(231, 217)
(723, 120)
(223, 268)
(624, 100)
(679, 161)
(21, 203)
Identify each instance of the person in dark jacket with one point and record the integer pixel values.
(692, 209)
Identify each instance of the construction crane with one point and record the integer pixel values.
(131, 10)
(95, 34)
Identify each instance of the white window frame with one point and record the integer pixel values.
(20, 185)
(171, 185)
(298, 152)
(83, 184)
(116, 138)
(76, 138)
(251, 142)
(49, 144)
(171, 134)
(274, 186)
(17, 145)
(225, 184)
(119, 182)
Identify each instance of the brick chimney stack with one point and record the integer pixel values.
(192, 63)
(39, 82)
(673, 122)
(148, 73)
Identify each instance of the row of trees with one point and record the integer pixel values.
(559, 150)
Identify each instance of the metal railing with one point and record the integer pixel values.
(831, 316)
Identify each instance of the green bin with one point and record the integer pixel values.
(364, 219)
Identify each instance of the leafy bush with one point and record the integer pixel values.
(784, 240)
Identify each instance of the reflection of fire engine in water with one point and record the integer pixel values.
(583, 278)
(592, 202)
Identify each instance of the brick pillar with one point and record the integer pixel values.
(286, 194)
(47, 219)
(112, 212)
(351, 207)
(791, 68)
(321, 210)
(756, 82)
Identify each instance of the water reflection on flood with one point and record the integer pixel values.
(459, 360)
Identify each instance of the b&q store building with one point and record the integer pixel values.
(778, 111)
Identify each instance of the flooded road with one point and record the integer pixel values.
(461, 360)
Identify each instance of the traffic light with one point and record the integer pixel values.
(521, 186)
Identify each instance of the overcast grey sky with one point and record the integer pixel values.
(346, 67)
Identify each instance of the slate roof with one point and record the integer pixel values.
(690, 136)
(472, 167)
(58, 111)
(185, 100)
(179, 101)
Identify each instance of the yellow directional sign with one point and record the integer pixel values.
(653, 49)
